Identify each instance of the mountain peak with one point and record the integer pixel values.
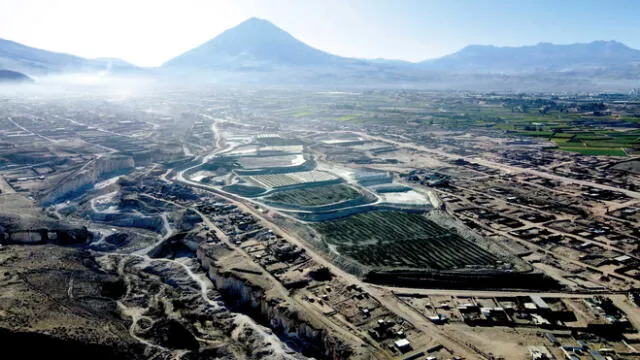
(257, 25)
(254, 30)
(256, 20)
(254, 43)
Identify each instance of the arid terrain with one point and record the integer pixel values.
(279, 224)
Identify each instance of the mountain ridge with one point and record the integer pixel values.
(543, 56)
(257, 51)
(30, 60)
(259, 45)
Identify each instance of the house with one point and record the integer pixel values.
(403, 345)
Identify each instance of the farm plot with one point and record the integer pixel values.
(269, 140)
(394, 239)
(411, 198)
(341, 141)
(244, 150)
(370, 145)
(317, 196)
(274, 181)
(313, 176)
(257, 162)
(290, 149)
(244, 190)
(304, 177)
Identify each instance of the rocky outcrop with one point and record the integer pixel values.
(44, 236)
(285, 319)
(168, 152)
(111, 164)
(86, 177)
(274, 311)
(153, 223)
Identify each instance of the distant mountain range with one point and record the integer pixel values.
(8, 76)
(259, 44)
(543, 57)
(258, 51)
(18, 57)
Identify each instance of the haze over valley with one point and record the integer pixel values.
(257, 52)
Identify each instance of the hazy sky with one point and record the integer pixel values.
(149, 32)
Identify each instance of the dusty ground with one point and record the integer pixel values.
(5, 188)
(53, 295)
(502, 342)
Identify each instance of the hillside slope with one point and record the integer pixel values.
(8, 76)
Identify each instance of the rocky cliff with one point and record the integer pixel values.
(242, 290)
(86, 177)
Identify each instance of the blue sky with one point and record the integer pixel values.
(149, 32)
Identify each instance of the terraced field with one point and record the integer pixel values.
(244, 190)
(394, 239)
(303, 177)
(253, 162)
(316, 196)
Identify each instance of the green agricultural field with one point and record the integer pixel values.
(603, 144)
(597, 143)
(395, 239)
(591, 137)
(535, 133)
(302, 114)
(561, 141)
(563, 135)
(585, 134)
(595, 151)
(315, 196)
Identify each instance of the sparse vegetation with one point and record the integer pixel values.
(395, 239)
(244, 190)
(315, 196)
